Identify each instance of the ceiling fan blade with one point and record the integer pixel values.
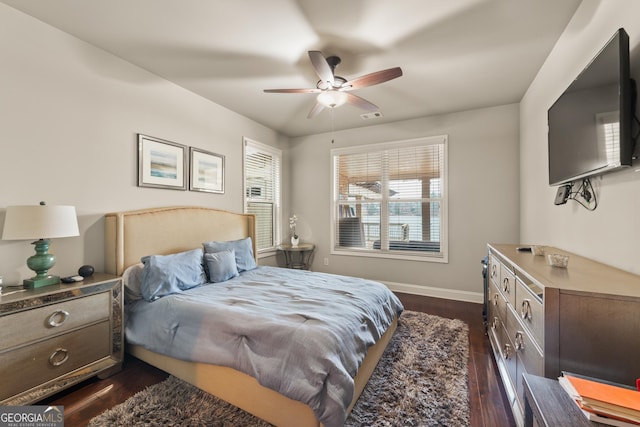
(315, 110)
(373, 78)
(321, 66)
(292, 90)
(356, 101)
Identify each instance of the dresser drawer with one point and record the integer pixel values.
(531, 312)
(508, 284)
(497, 335)
(508, 354)
(529, 361)
(497, 303)
(494, 269)
(524, 344)
(53, 319)
(33, 365)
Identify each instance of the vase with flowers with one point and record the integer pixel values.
(295, 240)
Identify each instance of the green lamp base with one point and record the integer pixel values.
(41, 262)
(39, 282)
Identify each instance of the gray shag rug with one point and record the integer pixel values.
(421, 380)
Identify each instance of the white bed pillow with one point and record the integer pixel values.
(132, 281)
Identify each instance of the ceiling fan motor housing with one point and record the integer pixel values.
(337, 83)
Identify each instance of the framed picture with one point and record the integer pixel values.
(207, 171)
(161, 164)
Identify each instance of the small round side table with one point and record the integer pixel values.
(298, 256)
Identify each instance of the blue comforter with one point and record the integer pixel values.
(300, 333)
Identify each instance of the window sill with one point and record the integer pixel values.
(267, 253)
(410, 256)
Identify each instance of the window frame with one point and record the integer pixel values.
(277, 201)
(443, 255)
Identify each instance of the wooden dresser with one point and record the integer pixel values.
(543, 320)
(59, 335)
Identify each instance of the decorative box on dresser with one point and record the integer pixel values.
(543, 320)
(58, 335)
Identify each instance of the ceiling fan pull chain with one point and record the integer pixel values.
(332, 129)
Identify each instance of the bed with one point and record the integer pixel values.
(131, 235)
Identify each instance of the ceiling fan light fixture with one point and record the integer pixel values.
(332, 98)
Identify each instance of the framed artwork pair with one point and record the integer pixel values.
(163, 164)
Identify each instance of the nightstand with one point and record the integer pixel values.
(298, 256)
(56, 336)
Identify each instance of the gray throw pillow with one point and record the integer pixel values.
(221, 265)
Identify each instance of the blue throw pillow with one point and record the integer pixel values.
(169, 274)
(221, 265)
(243, 249)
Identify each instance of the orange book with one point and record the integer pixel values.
(599, 396)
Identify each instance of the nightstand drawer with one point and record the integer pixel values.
(23, 327)
(35, 364)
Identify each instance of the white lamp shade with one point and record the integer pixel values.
(40, 222)
(332, 98)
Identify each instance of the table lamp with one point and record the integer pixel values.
(40, 222)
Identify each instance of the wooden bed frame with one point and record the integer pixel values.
(134, 234)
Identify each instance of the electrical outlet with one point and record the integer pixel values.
(326, 261)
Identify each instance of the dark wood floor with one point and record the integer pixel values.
(489, 406)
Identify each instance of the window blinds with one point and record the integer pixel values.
(389, 198)
(262, 191)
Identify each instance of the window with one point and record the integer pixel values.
(262, 191)
(390, 199)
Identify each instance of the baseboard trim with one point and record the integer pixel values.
(429, 291)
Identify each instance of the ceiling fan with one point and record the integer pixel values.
(334, 91)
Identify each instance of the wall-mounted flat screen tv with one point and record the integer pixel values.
(590, 124)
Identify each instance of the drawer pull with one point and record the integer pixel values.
(525, 310)
(506, 351)
(494, 324)
(495, 300)
(57, 318)
(494, 271)
(505, 285)
(58, 357)
(519, 340)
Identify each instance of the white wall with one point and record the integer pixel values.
(610, 233)
(70, 114)
(483, 198)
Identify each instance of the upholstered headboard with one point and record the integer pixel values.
(159, 231)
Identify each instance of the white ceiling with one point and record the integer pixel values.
(455, 54)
